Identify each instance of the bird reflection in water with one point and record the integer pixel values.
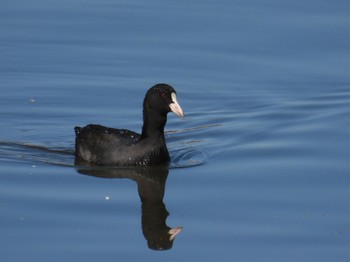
(151, 187)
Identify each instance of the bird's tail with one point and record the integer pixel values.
(77, 130)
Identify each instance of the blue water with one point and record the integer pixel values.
(260, 164)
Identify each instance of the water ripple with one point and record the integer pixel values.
(186, 157)
(19, 152)
(23, 153)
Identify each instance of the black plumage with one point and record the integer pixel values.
(104, 146)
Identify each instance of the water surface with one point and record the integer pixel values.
(260, 164)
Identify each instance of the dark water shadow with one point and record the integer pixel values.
(151, 183)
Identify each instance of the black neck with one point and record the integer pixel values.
(153, 124)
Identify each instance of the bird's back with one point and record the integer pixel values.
(105, 146)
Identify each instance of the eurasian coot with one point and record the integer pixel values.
(104, 146)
